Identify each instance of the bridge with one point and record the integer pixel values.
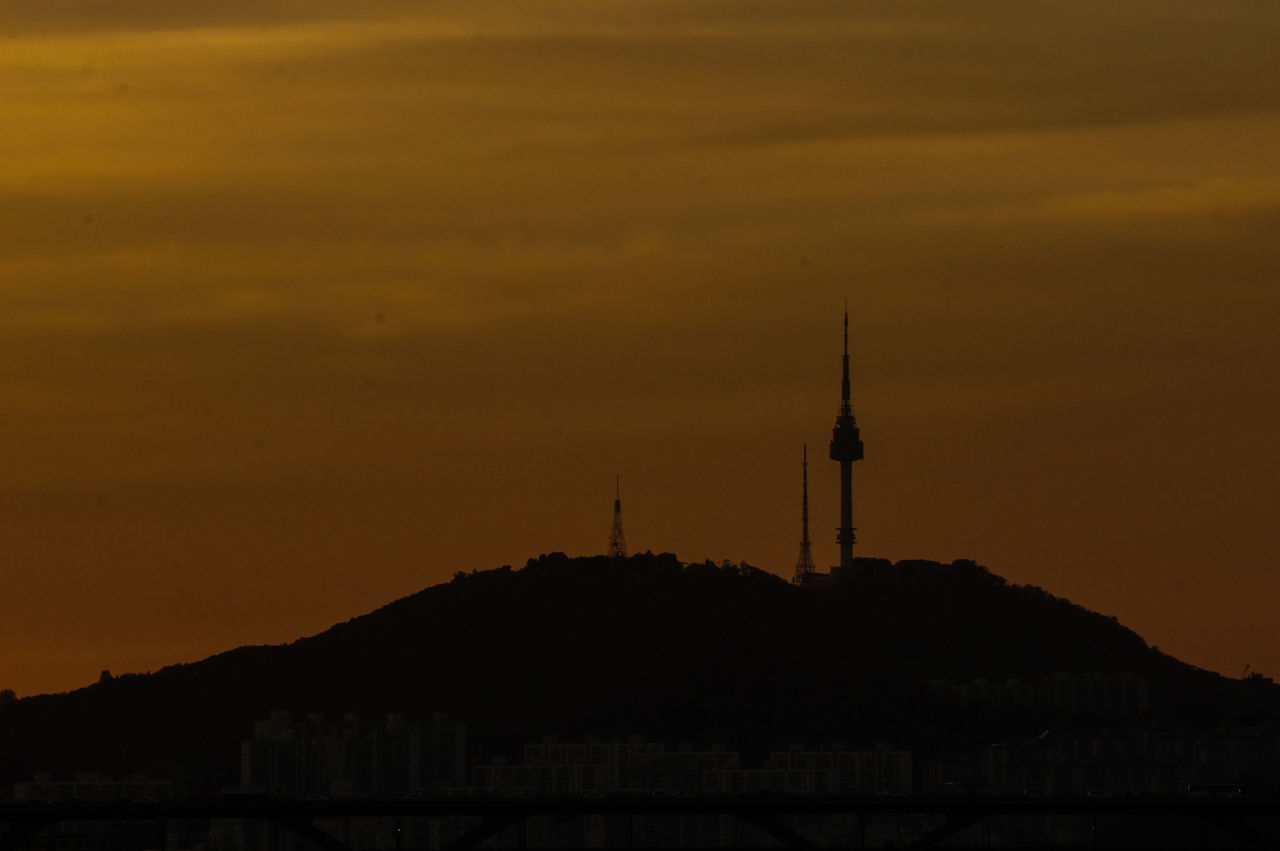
(1252, 822)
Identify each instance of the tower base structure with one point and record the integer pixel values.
(818, 580)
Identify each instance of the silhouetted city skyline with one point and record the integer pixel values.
(323, 326)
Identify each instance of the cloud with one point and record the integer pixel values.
(491, 18)
(320, 273)
(1211, 197)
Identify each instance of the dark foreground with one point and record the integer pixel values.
(653, 821)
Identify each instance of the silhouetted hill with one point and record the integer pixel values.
(570, 646)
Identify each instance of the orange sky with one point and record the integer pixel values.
(300, 313)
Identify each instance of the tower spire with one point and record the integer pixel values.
(846, 447)
(617, 542)
(846, 407)
(804, 565)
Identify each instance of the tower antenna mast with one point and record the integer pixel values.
(617, 541)
(804, 564)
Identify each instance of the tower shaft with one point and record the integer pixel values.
(845, 534)
(846, 447)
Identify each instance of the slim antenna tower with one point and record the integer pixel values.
(617, 542)
(804, 565)
(846, 447)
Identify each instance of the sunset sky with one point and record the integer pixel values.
(305, 306)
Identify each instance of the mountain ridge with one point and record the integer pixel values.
(647, 645)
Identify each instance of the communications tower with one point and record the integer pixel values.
(846, 447)
(804, 564)
(617, 543)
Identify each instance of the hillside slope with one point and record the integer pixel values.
(697, 652)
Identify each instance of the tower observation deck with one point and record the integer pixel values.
(846, 447)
